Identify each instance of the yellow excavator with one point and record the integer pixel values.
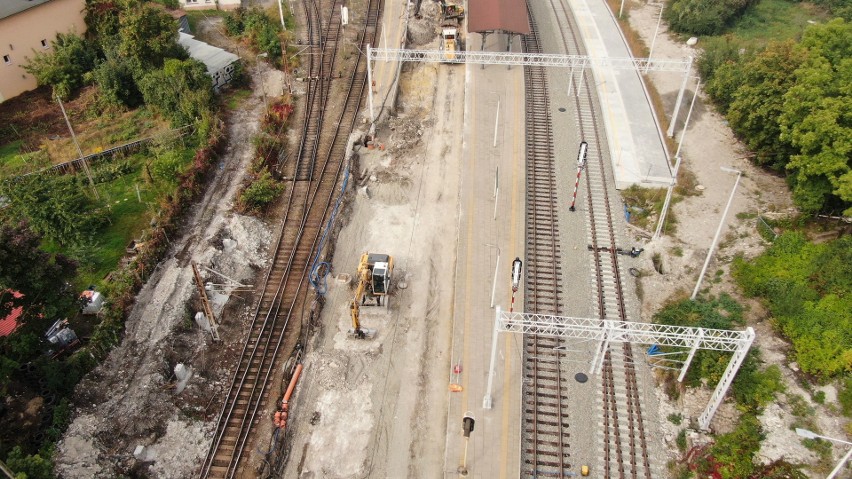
(374, 281)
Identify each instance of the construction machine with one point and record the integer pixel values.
(451, 41)
(451, 10)
(374, 282)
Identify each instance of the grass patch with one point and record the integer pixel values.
(11, 152)
(235, 98)
(129, 216)
(776, 20)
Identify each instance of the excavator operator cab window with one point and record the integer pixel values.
(380, 271)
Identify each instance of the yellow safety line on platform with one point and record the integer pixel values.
(517, 159)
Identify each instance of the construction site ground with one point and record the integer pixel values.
(379, 408)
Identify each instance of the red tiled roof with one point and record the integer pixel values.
(10, 322)
(506, 15)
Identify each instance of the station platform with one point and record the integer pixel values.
(637, 148)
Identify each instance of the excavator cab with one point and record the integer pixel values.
(380, 275)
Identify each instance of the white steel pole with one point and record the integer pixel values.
(281, 14)
(486, 400)
(668, 200)
(671, 129)
(718, 231)
(370, 84)
(840, 465)
(688, 115)
(654, 40)
(691, 355)
(496, 122)
(79, 150)
(494, 283)
(496, 196)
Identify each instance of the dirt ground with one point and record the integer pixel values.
(133, 399)
(378, 408)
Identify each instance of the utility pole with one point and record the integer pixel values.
(79, 151)
(718, 231)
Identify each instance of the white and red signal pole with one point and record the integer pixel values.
(581, 163)
(517, 266)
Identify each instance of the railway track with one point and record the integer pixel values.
(545, 440)
(313, 175)
(624, 441)
(545, 436)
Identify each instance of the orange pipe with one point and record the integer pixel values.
(292, 385)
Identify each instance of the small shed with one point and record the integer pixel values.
(220, 64)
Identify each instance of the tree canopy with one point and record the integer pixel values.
(39, 276)
(792, 105)
(817, 118)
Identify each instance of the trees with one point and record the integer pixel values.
(63, 68)
(181, 90)
(807, 289)
(751, 93)
(816, 118)
(41, 277)
(148, 34)
(792, 105)
(703, 17)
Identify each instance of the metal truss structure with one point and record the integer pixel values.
(526, 59)
(606, 331)
(532, 59)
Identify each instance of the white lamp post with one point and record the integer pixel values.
(718, 230)
(812, 435)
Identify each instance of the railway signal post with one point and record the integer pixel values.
(517, 266)
(581, 163)
(467, 428)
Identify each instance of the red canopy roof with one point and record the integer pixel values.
(490, 15)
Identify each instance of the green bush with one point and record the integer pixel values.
(844, 396)
(806, 287)
(734, 452)
(754, 388)
(56, 207)
(717, 313)
(181, 90)
(64, 66)
(115, 76)
(681, 440)
(33, 466)
(262, 191)
(703, 17)
(255, 26)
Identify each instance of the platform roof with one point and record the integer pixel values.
(498, 15)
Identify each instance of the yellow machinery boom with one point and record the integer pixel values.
(374, 281)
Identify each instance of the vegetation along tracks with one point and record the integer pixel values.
(314, 176)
